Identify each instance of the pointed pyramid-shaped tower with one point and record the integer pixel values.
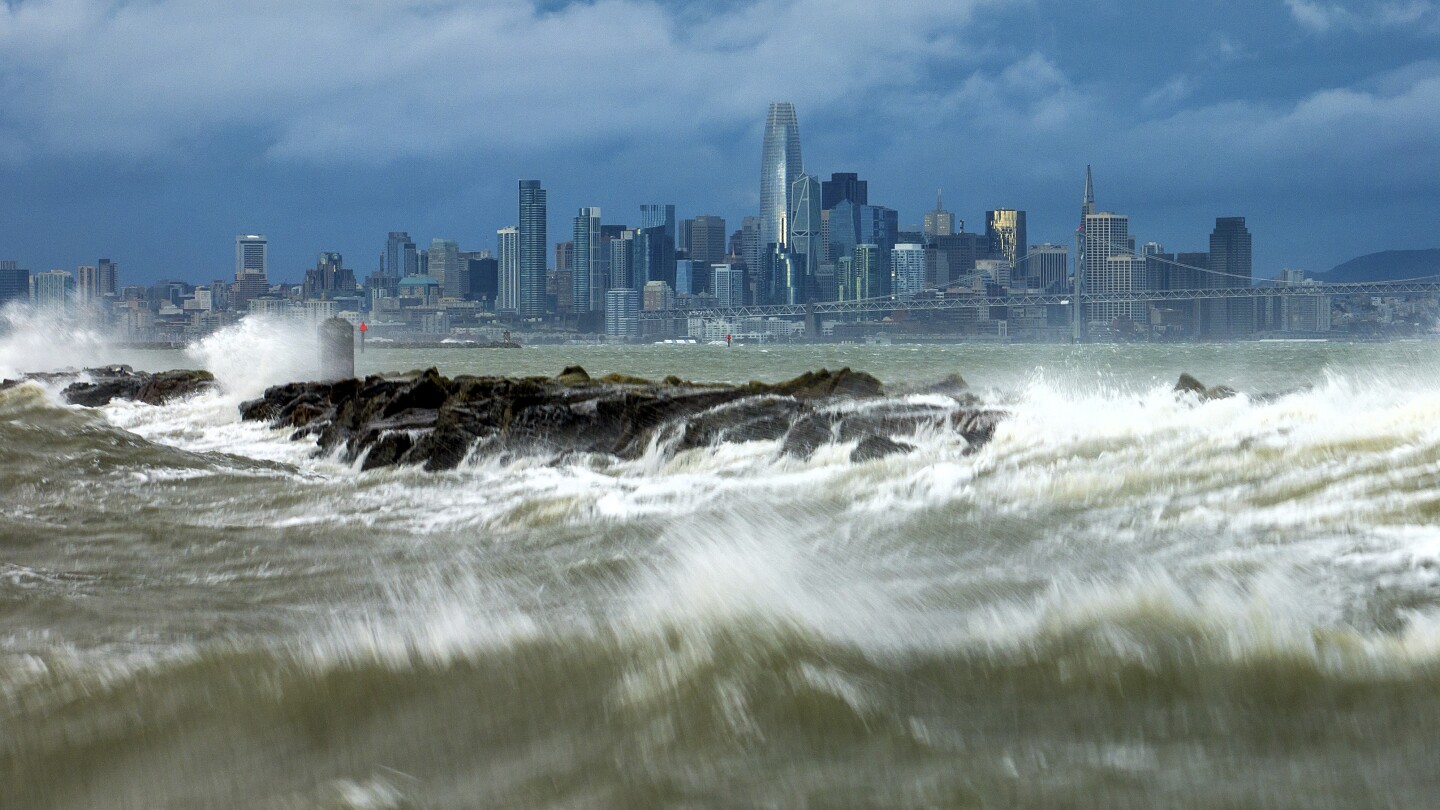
(1087, 206)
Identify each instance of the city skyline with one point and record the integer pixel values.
(1312, 120)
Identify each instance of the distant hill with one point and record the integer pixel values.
(1387, 265)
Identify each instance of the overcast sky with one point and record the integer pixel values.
(153, 131)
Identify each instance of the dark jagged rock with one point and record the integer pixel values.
(120, 382)
(95, 387)
(1189, 385)
(573, 375)
(426, 419)
(873, 447)
(825, 383)
(809, 434)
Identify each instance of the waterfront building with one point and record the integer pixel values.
(907, 270)
(507, 243)
(622, 313)
(780, 167)
(657, 297)
(532, 249)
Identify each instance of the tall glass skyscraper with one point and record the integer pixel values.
(1005, 230)
(532, 250)
(508, 282)
(400, 257)
(780, 167)
(805, 224)
(588, 276)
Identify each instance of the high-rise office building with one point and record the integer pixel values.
(52, 290)
(938, 222)
(658, 215)
(108, 278)
(1107, 263)
(871, 272)
(728, 284)
(330, 277)
(1229, 267)
(1230, 251)
(482, 276)
(251, 254)
(780, 167)
(588, 262)
(532, 251)
(622, 313)
(1005, 230)
(805, 224)
(844, 186)
(843, 229)
(622, 264)
(657, 297)
(880, 226)
(507, 243)
(685, 281)
(14, 282)
(654, 256)
(907, 270)
(705, 241)
(445, 266)
(87, 284)
(251, 270)
(1048, 267)
(750, 243)
(401, 258)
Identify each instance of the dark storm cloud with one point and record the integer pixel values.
(154, 130)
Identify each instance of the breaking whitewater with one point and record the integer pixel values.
(1122, 597)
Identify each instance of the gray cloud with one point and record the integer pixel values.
(1324, 17)
(366, 80)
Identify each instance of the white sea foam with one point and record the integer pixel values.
(258, 352)
(34, 340)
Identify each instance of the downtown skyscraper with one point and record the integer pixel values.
(780, 167)
(589, 263)
(532, 250)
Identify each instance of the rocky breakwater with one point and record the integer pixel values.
(435, 421)
(94, 387)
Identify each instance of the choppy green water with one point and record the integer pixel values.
(1123, 600)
